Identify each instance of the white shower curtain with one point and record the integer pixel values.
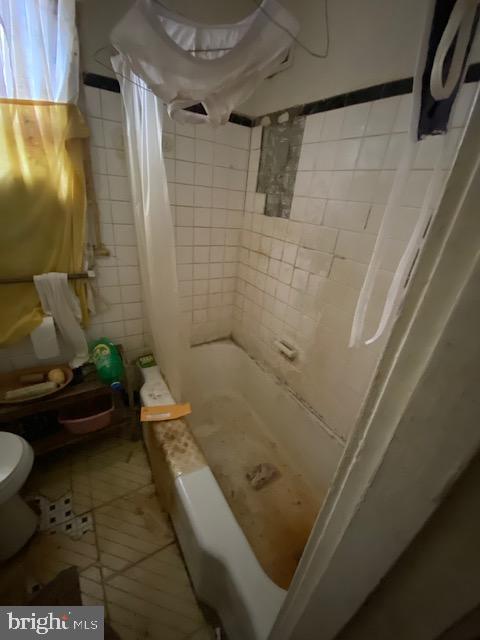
(153, 222)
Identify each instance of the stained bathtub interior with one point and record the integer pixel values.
(245, 417)
(277, 518)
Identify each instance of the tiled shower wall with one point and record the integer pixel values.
(207, 178)
(299, 279)
(118, 276)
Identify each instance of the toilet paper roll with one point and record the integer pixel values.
(44, 339)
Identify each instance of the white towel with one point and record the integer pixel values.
(58, 299)
(44, 339)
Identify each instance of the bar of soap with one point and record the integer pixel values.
(57, 376)
(31, 391)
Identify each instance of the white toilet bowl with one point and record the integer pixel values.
(17, 521)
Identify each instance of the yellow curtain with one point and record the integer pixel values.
(42, 205)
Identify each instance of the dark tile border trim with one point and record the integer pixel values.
(101, 82)
(376, 92)
(110, 84)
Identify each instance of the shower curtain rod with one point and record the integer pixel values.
(81, 275)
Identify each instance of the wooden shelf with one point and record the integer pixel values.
(70, 395)
(63, 438)
(14, 416)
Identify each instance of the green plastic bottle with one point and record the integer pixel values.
(108, 362)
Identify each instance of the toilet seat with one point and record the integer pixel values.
(16, 460)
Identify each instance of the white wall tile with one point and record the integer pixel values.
(404, 112)
(346, 215)
(133, 327)
(101, 186)
(184, 195)
(372, 152)
(300, 279)
(355, 246)
(128, 275)
(119, 188)
(202, 196)
(204, 132)
(129, 294)
(346, 154)
(382, 116)
(126, 256)
(416, 188)
(320, 183)
(107, 276)
(348, 272)
(113, 134)
(106, 230)
(332, 124)
(184, 236)
(116, 162)
(114, 330)
(132, 310)
(91, 101)
(362, 187)
(184, 148)
(204, 151)
(204, 175)
(111, 105)
(256, 139)
(99, 159)
(121, 212)
(463, 104)
(340, 185)
(325, 155)
(395, 150)
(313, 128)
(184, 172)
(185, 129)
(124, 235)
(429, 150)
(105, 210)
(184, 216)
(97, 135)
(202, 217)
(355, 120)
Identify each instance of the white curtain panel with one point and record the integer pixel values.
(39, 57)
(398, 195)
(153, 222)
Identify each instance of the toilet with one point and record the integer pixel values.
(17, 521)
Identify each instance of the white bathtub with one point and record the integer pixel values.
(225, 572)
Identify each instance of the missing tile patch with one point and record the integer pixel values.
(277, 172)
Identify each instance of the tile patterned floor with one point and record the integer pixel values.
(129, 562)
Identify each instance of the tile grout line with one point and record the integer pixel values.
(105, 603)
(109, 502)
(115, 574)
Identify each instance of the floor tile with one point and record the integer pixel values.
(129, 562)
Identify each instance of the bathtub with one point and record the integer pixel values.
(267, 422)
